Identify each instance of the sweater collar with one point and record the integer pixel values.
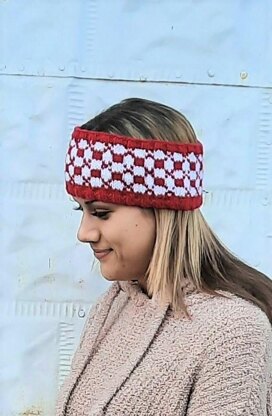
(137, 295)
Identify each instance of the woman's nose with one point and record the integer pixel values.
(87, 231)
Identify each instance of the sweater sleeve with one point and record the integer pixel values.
(236, 372)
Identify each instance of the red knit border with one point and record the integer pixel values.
(131, 142)
(127, 198)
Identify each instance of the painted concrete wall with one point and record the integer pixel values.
(63, 61)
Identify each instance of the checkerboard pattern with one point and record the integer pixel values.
(128, 171)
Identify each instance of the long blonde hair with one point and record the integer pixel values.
(186, 249)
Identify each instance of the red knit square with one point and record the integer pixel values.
(178, 165)
(159, 182)
(96, 173)
(117, 176)
(139, 179)
(159, 164)
(179, 182)
(97, 155)
(77, 170)
(117, 158)
(138, 161)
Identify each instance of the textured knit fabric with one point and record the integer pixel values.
(124, 170)
(137, 358)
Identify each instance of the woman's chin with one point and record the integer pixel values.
(109, 277)
(112, 278)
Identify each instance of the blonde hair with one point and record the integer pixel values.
(186, 250)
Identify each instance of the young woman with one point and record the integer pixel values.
(185, 327)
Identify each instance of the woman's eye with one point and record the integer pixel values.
(100, 214)
(79, 208)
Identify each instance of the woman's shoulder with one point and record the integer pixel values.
(229, 312)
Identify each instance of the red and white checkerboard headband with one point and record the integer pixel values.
(127, 171)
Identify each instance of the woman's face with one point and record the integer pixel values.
(127, 234)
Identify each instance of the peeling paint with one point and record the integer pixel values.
(33, 411)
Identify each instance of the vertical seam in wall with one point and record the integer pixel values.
(66, 349)
(75, 110)
(90, 25)
(263, 160)
(264, 168)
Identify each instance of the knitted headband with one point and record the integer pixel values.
(123, 170)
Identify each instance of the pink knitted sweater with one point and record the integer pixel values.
(135, 358)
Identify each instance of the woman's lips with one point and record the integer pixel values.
(101, 254)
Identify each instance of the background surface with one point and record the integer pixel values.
(62, 62)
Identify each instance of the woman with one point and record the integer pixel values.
(185, 327)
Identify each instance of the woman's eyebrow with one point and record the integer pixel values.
(88, 203)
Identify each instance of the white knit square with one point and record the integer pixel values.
(159, 173)
(106, 174)
(170, 183)
(192, 175)
(178, 174)
(139, 170)
(96, 164)
(67, 177)
(117, 185)
(78, 161)
(169, 164)
(78, 180)
(128, 161)
(71, 170)
(149, 163)
(192, 157)
(67, 159)
(73, 152)
(86, 172)
(178, 157)
(140, 153)
(96, 182)
(186, 166)
(107, 156)
(179, 191)
(139, 188)
(193, 192)
(100, 147)
(117, 167)
(159, 190)
(88, 154)
(119, 149)
(187, 184)
(128, 178)
(159, 155)
(149, 181)
(82, 144)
